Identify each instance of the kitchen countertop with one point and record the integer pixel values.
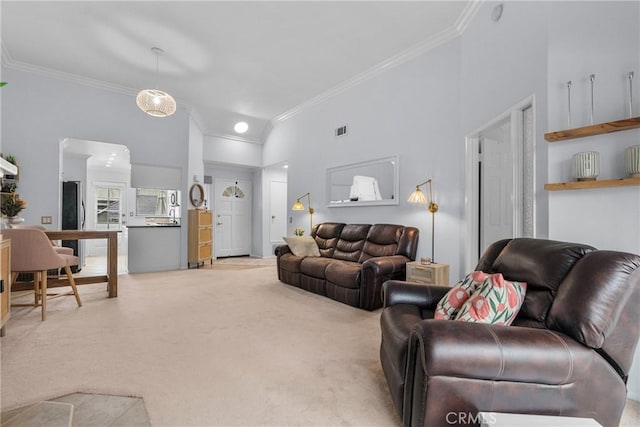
(154, 226)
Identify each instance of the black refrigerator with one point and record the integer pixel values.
(73, 216)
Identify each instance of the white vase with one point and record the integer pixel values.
(632, 161)
(13, 220)
(586, 166)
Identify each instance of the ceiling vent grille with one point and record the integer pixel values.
(341, 131)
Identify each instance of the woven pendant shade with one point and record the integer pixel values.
(156, 102)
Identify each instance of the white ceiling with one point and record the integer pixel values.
(225, 61)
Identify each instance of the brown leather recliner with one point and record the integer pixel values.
(568, 353)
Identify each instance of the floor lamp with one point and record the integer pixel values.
(298, 206)
(418, 197)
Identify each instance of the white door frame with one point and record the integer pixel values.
(472, 191)
(217, 209)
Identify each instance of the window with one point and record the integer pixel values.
(151, 202)
(107, 208)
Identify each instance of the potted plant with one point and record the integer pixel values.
(11, 206)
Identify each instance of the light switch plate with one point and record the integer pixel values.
(45, 220)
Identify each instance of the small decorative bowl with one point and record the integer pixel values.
(586, 166)
(632, 161)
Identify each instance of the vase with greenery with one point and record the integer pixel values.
(12, 205)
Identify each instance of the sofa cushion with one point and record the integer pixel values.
(302, 246)
(496, 301)
(351, 241)
(382, 240)
(315, 266)
(542, 264)
(449, 306)
(326, 235)
(344, 273)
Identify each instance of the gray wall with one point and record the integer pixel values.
(40, 111)
(422, 110)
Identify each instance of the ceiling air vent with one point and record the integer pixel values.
(341, 131)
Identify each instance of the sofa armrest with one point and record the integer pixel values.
(498, 353)
(401, 292)
(281, 250)
(375, 271)
(386, 264)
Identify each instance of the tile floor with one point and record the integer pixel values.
(80, 410)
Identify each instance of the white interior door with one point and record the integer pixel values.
(500, 180)
(232, 216)
(496, 187)
(278, 211)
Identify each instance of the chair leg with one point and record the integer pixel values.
(36, 288)
(43, 291)
(73, 285)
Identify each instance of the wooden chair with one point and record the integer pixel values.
(32, 252)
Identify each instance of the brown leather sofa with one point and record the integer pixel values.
(355, 260)
(568, 352)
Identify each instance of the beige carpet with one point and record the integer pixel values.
(207, 348)
(204, 347)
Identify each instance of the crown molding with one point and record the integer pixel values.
(376, 70)
(8, 62)
(197, 119)
(266, 131)
(234, 138)
(467, 15)
(418, 49)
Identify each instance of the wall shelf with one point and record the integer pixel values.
(581, 185)
(599, 129)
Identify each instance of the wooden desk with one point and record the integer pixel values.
(112, 258)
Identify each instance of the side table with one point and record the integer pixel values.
(431, 274)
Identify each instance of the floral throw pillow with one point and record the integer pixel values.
(450, 304)
(497, 301)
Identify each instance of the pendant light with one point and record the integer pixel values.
(155, 102)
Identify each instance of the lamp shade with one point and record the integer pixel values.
(156, 103)
(417, 197)
(297, 206)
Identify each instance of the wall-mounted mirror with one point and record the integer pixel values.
(370, 183)
(196, 195)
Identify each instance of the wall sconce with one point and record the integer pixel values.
(418, 197)
(298, 206)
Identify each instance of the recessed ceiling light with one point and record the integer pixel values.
(241, 127)
(286, 166)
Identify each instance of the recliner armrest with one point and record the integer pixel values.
(401, 292)
(498, 353)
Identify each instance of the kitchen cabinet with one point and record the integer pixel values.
(200, 235)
